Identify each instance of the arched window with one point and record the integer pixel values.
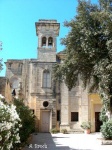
(44, 42)
(46, 79)
(50, 41)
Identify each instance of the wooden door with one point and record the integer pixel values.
(98, 123)
(45, 122)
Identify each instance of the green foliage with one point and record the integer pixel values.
(27, 120)
(54, 130)
(89, 51)
(103, 116)
(106, 129)
(86, 125)
(106, 4)
(88, 47)
(64, 131)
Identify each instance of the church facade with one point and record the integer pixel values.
(52, 103)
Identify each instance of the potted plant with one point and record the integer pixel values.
(64, 131)
(86, 126)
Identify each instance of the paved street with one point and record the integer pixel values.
(61, 141)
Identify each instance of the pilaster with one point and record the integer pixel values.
(64, 107)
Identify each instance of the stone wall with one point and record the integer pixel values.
(5, 89)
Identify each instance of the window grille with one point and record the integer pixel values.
(74, 116)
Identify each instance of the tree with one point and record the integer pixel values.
(27, 120)
(89, 50)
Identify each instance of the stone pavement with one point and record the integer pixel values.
(47, 141)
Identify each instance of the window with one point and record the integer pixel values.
(46, 79)
(58, 115)
(44, 42)
(74, 116)
(14, 83)
(50, 41)
(45, 103)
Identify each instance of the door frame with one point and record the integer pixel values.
(50, 120)
(94, 99)
(98, 123)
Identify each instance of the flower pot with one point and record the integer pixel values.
(87, 131)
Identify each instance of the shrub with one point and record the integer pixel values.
(103, 116)
(27, 120)
(86, 125)
(64, 131)
(106, 129)
(54, 130)
(9, 126)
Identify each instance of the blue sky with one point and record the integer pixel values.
(17, 25)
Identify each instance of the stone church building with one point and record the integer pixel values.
(52, 103)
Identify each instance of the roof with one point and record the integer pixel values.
(61, 55)
(62, 52)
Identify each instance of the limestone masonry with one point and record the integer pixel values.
(52, 103)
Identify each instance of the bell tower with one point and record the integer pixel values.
(47, 32)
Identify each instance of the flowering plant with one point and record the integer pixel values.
(9, 126)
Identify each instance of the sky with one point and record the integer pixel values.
(17, 25)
